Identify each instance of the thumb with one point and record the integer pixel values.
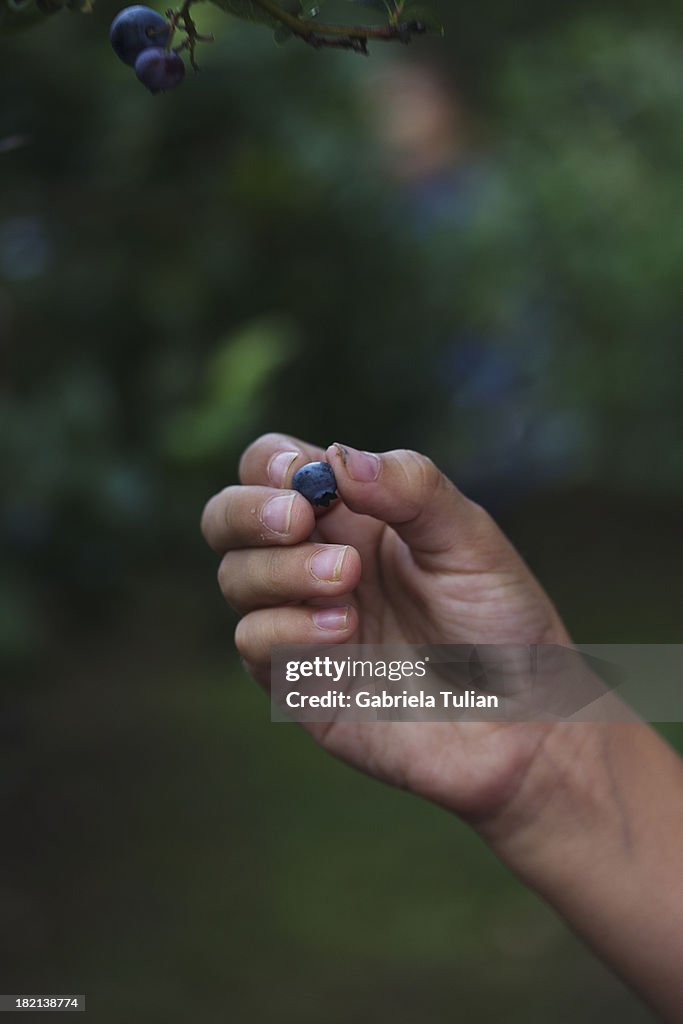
(407, 491)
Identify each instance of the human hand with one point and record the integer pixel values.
(403, 557)
(586, 813)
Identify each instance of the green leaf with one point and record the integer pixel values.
(237, 380)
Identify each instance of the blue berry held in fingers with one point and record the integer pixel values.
(135, 29)
(159, 69)
(316, 482)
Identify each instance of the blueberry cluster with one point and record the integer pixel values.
(140, 37)
(317, 482)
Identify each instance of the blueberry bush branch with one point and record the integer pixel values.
(343, 36)
(183, 19)
(143, 39)
(296, 18)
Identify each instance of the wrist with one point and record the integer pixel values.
(565, 802)
(596, 828)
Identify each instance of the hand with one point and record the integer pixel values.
(588, 814)
(404, 557)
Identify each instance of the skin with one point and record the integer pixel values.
(590, 815)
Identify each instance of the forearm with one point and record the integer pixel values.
(597, 829)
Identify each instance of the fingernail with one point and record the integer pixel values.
(326, 564)
(276, 514)
(363, 467)
(279, 466)
(331, 618)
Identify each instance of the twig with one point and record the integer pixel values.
(192, 37)
(343, 37)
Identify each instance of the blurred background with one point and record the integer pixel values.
(472, 246)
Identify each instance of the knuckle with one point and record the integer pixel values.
(275, 574)
(476, 509)
(226, 575)
(432, 483)
(206, 518)
(429, 475)
(226, 504)
(421, 478)
(479, 515)
(244, 638)
(216, 514)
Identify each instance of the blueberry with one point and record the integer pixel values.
(316, 482)
(159, 69)
(135, 29)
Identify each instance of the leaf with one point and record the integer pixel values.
(237, 380)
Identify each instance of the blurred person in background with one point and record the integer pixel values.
(428, 145)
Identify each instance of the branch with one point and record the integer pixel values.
(343, 37)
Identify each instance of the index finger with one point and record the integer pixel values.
(273, 459)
